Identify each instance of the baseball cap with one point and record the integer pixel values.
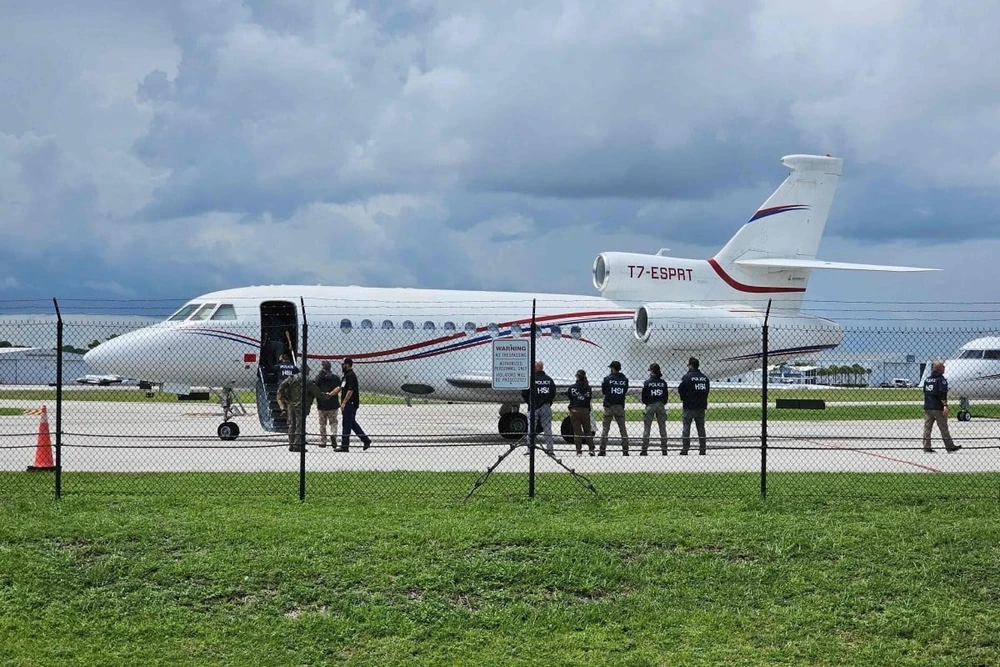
(615, 365)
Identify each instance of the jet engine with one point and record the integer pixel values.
(631, 276)
(690, 327)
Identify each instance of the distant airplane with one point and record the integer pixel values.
(436, 343)
(100, 380)
(974, 373)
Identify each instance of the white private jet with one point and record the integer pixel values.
(436, 343)
(100, 380)
(974, 373)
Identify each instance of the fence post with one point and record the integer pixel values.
(59, 398)
(531, 405)
(303, 404)
(763, 406)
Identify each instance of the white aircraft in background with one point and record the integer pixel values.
(975, 373)
(100, 380)
(436, 343)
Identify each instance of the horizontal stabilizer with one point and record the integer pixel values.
(820, 264)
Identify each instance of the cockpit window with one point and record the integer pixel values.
(183, 313)
(991, 354)
(225, 312)
(971, 354)
(203, 312)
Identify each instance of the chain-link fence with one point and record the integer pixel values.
(194, 405)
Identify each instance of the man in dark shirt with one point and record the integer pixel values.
(615, 388)
(936, 408)
(654, 397)
(544, 390)
(693, 391)
(327, 406)
(349, 408)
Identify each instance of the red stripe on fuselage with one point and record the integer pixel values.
(754, 289)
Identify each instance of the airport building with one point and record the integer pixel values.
(37, 366)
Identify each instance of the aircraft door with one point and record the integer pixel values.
(279, 332)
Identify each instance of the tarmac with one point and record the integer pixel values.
(111, 436)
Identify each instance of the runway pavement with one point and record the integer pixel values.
(181, 437)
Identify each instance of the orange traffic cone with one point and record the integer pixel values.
(43, 451)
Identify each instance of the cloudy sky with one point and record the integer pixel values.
(165, 149)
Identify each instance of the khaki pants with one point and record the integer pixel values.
(616, 413)
(930, 418)
(656, 411)
(328, 417)
(294, 416)
(580, 418)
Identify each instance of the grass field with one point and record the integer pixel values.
(161, 579)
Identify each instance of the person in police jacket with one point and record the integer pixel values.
(693, 391)
(654, 397)
(579, 412)
(936, 408)
(615, 388)
(544, 393)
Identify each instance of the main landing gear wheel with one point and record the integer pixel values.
(228, 430)
(964, 416)
(513, 425)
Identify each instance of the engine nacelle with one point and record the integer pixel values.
(635, 276)
(689, 327)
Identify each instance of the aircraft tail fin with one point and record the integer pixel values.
(790, 224)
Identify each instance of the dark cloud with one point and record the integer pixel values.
(189, 146)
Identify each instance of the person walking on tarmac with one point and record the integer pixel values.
(290, 396)
(544, 392)
(579, 412)
(654, 397)
(615, 388)
(693, 391)
(349, 393)
(936, 408)
(328, 406)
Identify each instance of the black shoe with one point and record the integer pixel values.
(930, 451)
(322, 445)
(365, 444)
(684, 452)
(293, 448)
(955, 449)
(341, 449)
(643, 454)
(600, 453)
(625, 453)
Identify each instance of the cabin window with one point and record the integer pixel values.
(575, 332)
(225, 312)
(183, 313)
(515, 330)
(991, 354)
(556, 331)
(429, 326)
(345, 324)
(470, 328)
(366, 324)
(387, 324)
(408, 325)
(449, 326)
(971, 354)
(203, 312)
(494, 329)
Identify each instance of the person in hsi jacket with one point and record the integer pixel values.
(615, 388)
(693, 391)
(290, 396)
(543, 391)
(579, 412)
(654, 397)
(936, 408)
